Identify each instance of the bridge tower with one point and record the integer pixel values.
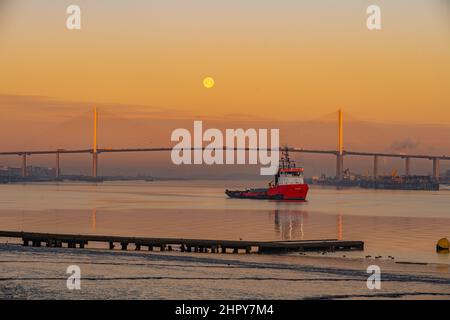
(340, 152)
(94, 146)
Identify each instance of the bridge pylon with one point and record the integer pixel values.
(94, 146)
(340, 151)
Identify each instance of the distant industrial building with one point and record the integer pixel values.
(32, 171)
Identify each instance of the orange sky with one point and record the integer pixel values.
(303, 57)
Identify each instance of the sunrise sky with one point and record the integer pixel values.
(307, 57)
(290, 60)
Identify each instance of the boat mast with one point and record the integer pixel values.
(285, 161)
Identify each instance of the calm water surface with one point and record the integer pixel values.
(403, 224)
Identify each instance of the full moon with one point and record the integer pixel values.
(208, 82)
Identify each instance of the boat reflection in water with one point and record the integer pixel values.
(294, 225)
(289, 224)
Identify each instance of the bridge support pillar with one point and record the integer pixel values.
(436, 169)
(24, 165)
(94, 164)
(407, 166)
(375, 167)
(339, 166)
(57, 169)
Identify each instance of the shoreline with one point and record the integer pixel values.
(326, 255)
(107, 274)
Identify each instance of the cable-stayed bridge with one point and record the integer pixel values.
(340, 153)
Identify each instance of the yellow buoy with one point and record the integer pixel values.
(443, 245)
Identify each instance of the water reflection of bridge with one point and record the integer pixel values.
(291, 225)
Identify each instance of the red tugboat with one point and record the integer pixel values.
(289, 184)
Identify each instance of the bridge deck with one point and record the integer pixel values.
(161, 149)
(184, 245)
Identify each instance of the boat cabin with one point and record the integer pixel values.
(288, 173)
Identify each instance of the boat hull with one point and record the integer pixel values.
(281, 192)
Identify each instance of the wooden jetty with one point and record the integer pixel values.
(184, 245)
